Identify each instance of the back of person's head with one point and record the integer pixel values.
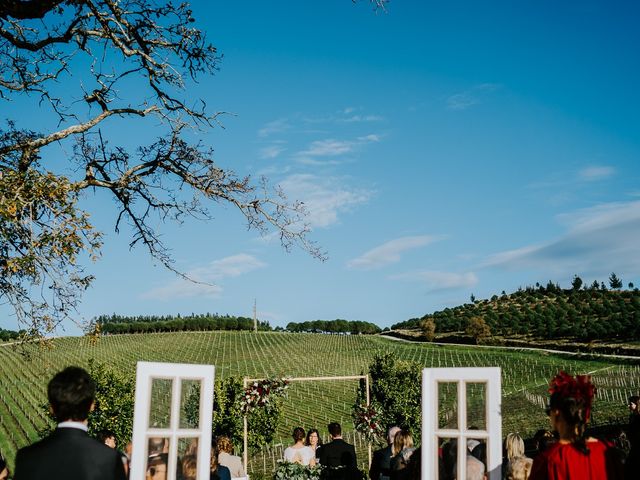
(402, 440)
(519, 469)
(189, 467)
(335, 430)
(224, 444)
(514, 445)
(71, 394)
(104, 435)
(572, 398)
(214, 455)
(391, 434)
(633, 400)
(298, 434)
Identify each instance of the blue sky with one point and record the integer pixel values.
(442, 149)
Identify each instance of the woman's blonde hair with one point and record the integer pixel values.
(514, 445)
(402, 440)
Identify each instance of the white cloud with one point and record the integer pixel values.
(321, 149)
(597, 241)
(209, 276)
(594, 173)
(277, 126)
(271, 151)
(361, 118)
(324, 197)
(438, 281)
(389, 252)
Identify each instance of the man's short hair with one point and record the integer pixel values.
(71, 393)
(104, 435)
(334, 429)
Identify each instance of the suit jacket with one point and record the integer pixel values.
(340, 458)
(381, 464)
(233, 463)
(68, 454)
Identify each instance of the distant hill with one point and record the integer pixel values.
(583, 314)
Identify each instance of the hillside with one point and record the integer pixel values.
(525, 375)
(547, 312)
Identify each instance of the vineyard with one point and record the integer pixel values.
(525, 375)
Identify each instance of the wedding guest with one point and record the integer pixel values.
(313, 441)
(299, 452)
(381, 461)
(518, 466)
(574, 455)
(401, 452)
(338, 456)
(225, 457)
(69, 452)
(218, 472)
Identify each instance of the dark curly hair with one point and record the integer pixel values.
(298, 434)
(573, 412)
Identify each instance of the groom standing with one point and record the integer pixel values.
(69, 453)
(338, 456)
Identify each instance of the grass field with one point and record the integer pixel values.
(525, 375)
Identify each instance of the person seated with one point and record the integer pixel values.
(299, 452)
(518, 466)
(218, 472)
(574, 455)
(401, 453)
(226, 459)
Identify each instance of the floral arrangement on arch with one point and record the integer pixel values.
(367, 420)
(259, 392)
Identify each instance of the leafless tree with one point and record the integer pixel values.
(87, 61)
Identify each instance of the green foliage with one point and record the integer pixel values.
(581, 312)
(115, 324)
(614, 281)
(334, 326)
(395, 391)
(295, 471)
(114, 404)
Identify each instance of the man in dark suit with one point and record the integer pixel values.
(69, 453)
(381, 461)
(338, 456)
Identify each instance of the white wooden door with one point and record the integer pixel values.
(460, 405)
(172, 420)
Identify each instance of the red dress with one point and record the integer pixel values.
(564, 461)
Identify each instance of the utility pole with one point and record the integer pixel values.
(255, 317)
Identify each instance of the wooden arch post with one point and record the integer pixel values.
(248, 380)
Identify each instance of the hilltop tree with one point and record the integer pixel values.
(478, 329)
(428, 327)
(614, 281)
(576, 284)
(89, 64)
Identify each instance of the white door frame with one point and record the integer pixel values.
(430, 426)
(146, 372)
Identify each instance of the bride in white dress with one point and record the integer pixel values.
(299, 452)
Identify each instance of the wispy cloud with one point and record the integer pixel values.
(473, 96)
(439, 281)
(272, 151)
(324, 197)
(277, 126)
(318, 151)
(390, 252)
(209, 275)
(598, 240)
(594, 173)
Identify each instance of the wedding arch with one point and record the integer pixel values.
(247, 380)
